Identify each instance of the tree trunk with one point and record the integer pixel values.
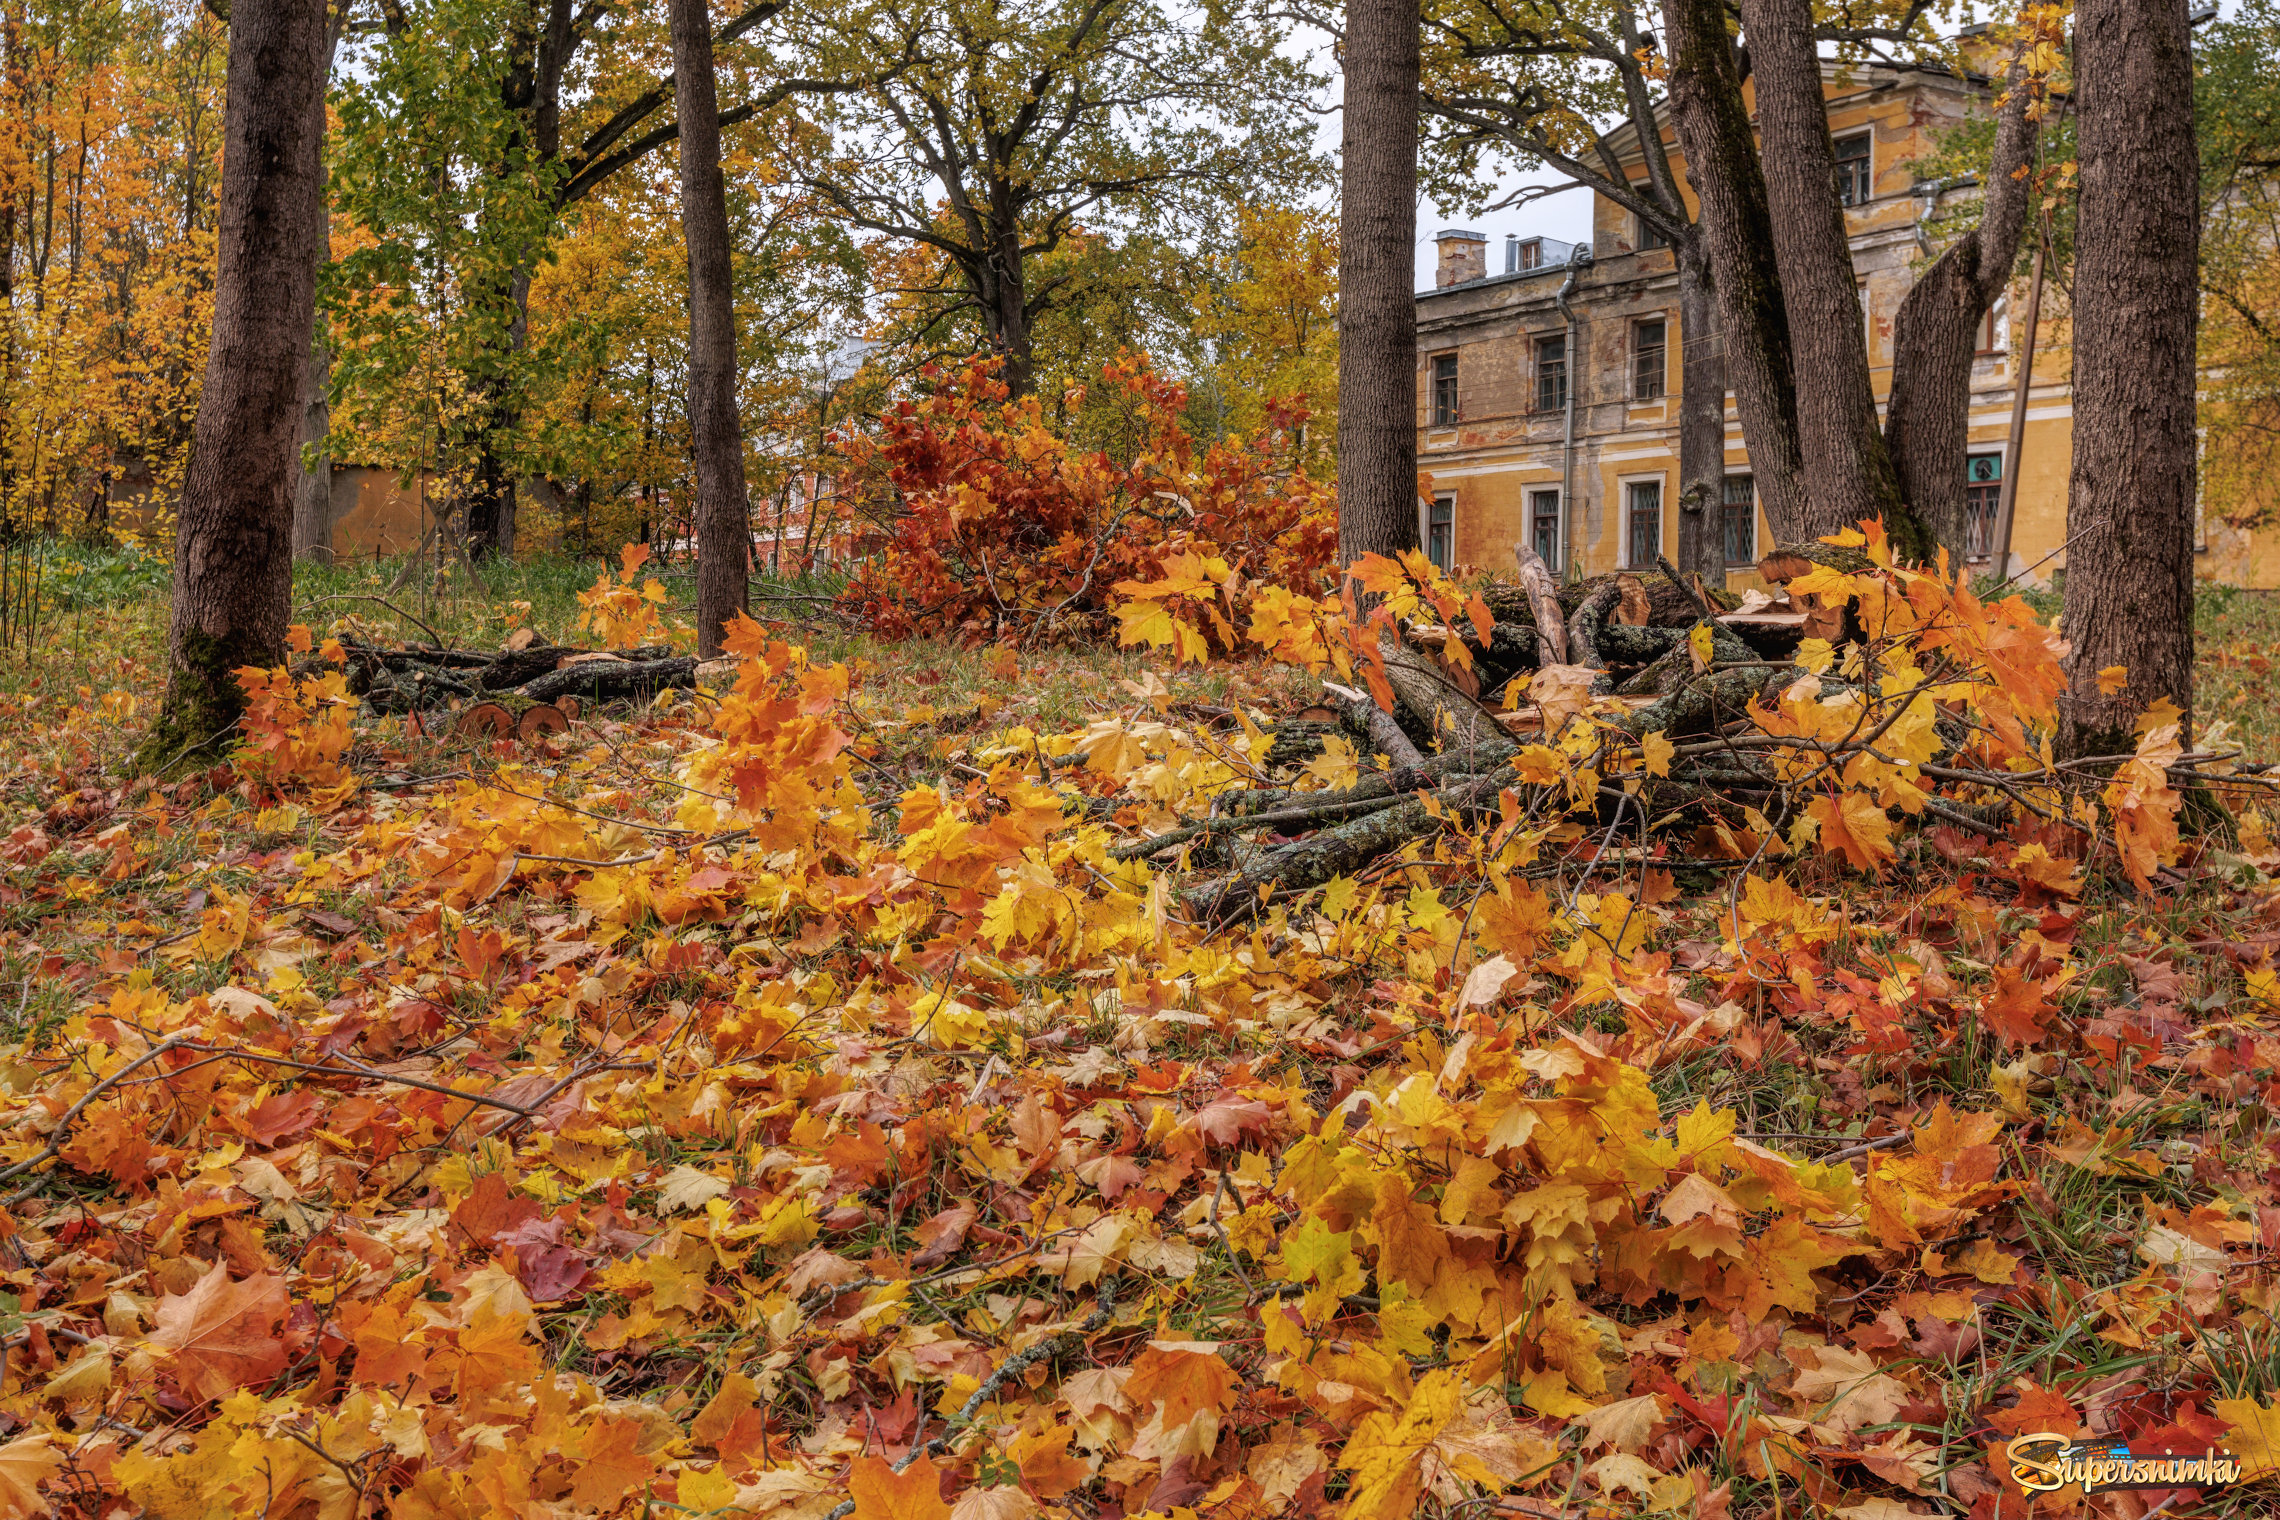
(1848, 473)
(715, 439)
(2129, 509)
(1377, 303)
(233, 568)
(1927, 417)
(312, 480)
(1737, 235)
(312, 484)
(1701, 418)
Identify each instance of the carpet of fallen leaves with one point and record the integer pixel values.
(703, 1112)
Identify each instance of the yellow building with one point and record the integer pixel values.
(1494, 365)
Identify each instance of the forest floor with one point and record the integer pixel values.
(482, 1128)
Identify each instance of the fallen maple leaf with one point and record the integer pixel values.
(222, 1334)
(24, 1462)
(881, 1493)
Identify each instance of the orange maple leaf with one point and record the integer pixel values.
(223, 1334)
(1185, 1377)
(2016, 1008)
(881, 1493)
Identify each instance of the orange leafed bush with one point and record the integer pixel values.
(1003, 529)
(297, 730)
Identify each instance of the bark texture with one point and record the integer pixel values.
(1927, 415)
(1377, 306)
(1701, 418)
(715, 436)
(1848, 473)
(312, 479)
(233, 543)
(1736, 225)
(312, 485)
(2129, 511)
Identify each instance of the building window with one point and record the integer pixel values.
(1648, 235)
(1989, 341)
(1647, 349)
(1445, 390)
(1551, 373)
(1982, 497)
(1853, 178)
(1544, 526)
(1643, 523)
(1441, 533)
(1527, 253)
(1739, 513)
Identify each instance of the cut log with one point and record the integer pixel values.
(485, 720)
(1543, 594)
(1374, 727)
(1457, 722)
(613, 680)
(537, 722)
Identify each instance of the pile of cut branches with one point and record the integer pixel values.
(526, 688)
(1863, 697)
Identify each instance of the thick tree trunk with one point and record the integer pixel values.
(312, 480)
(1736, 226)
(2129, 510)
(1848, 473)
(233, 567)
(715, 438)
(1927, 417)
(1701, 419)
(1377, 303)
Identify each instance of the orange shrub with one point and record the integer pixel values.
(1001, 529)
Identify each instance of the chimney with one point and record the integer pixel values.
(1464, 256)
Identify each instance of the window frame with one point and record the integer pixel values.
(1855, 189)
(1566, 374)
(1661, 351)
(1441, 511)
(1726, 506)
(1627, 485)
(1990, 324)
(1528, 255)
(1530, 496)
(1998, 452)
(1443, 407)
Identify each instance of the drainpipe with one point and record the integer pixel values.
(1579, 259)
(1928, 198)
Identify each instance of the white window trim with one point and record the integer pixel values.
(1528, 495)
(1623, 484)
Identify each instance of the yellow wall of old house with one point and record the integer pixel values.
(1501, 448)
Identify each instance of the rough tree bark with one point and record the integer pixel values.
(1701, 418)
(1736, 225)
(716, 439)
(312, 484)
(1377, 304)
(1927, 415)
(312, 478)
(233, 564)
(2129, 506)
(1848, 473)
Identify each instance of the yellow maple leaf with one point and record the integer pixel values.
(1657, 749)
